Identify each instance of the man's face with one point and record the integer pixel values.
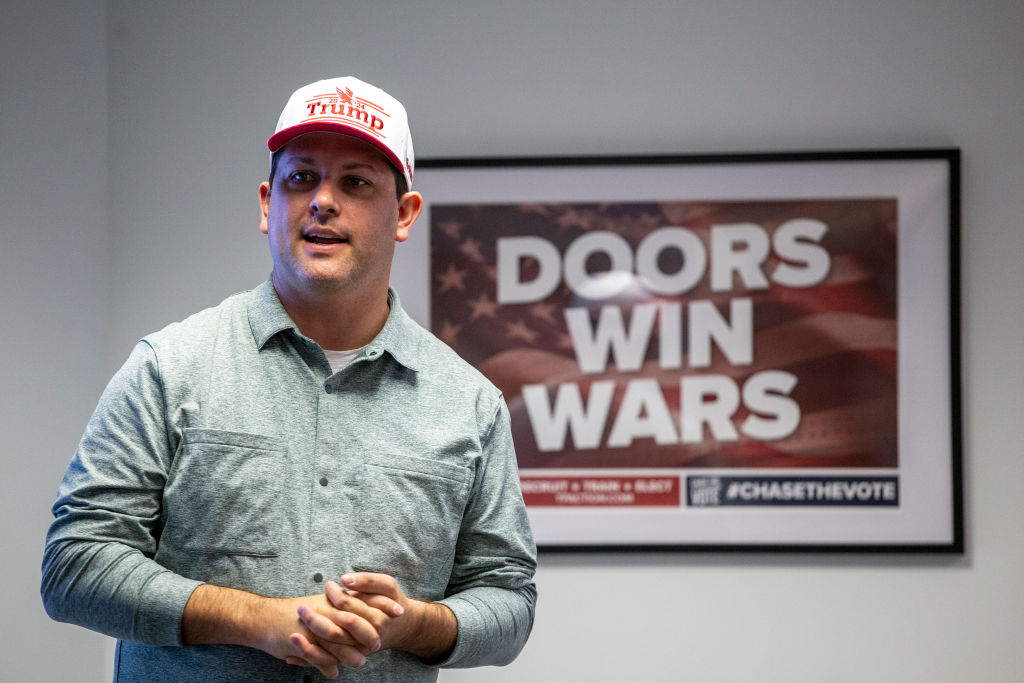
(332, 218)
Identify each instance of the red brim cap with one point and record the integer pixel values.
(351, 107)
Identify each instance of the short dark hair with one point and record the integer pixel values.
(401, 184)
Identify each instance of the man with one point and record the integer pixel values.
(305, 430)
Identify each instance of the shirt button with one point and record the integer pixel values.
(318, 577)
(323, 481)
(328, 389)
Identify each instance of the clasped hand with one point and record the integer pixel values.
(360, 616)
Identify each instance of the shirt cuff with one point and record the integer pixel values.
(493, 622)
(161, 607)
(471, 632)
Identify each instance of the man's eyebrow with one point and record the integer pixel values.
(361, 164)
(302, 160)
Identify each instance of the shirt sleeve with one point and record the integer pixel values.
(98, 570)
(491, 591)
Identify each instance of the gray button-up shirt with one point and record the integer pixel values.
(225, 451)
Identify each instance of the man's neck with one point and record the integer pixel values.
(337, 321)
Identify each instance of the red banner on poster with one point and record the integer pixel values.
(600, 491)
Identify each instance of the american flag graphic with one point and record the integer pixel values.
(839, 337)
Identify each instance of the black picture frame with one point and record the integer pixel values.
(921, 187)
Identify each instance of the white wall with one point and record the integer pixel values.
(54, 277)
(179, 98)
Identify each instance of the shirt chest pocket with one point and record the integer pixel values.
(225, 495)
(411, 511)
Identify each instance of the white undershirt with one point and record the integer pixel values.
(341, 359)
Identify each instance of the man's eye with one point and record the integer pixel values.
(356, 181)
(300, 177)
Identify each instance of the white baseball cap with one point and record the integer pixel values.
(349, 106)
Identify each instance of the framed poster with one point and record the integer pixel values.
(718, 352)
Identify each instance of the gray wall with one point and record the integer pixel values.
(133, 138)
(54, 277)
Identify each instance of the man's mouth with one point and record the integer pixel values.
(323, 238)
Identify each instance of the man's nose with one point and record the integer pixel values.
(324, 200)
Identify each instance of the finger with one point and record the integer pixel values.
(382, 603)
(324, 628)
(315, 656)
(361, 621)
(350, 601)
(335, 593)
(379, 591)
(346, 654)
(342, 628)
(367, 582)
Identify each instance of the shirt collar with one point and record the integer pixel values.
(267, 317)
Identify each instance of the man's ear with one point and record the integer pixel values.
(264, 205)
(409, 208)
